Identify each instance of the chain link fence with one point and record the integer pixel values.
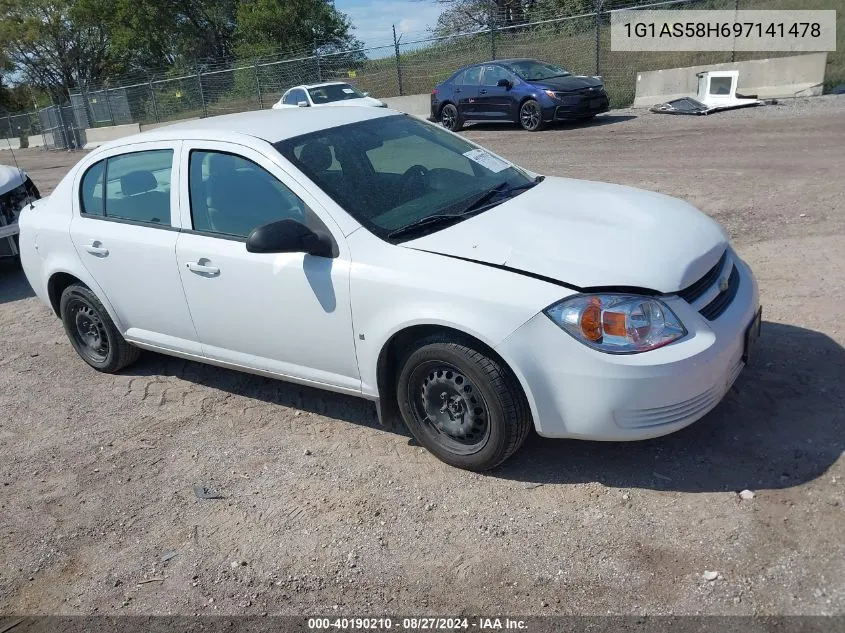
(406, 65)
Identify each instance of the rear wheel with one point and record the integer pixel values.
(450, 118)
(531, 116)
(462, 405)
(92, 332)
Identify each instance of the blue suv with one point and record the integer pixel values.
(525, 91)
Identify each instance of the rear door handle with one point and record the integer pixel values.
(202, 269)
(97, 248)
(484, 92)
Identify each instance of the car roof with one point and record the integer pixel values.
(325, 83)
(269, 125)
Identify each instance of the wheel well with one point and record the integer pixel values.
(56, 286)
(393, 352)
(443, 105)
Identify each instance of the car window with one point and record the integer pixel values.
(288, 98)
(333, 92)
(231, 195)
(91, 189)
(470, 77)
(492, 75)
(398, 170)
(396, 156)
(138, 186)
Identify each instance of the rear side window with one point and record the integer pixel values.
(91, 194)
(132, 187)
(138, 186)
(470, 77)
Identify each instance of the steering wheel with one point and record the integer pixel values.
(413, 182)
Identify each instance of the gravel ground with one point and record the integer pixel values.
(325, 512)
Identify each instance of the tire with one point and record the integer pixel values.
(531, 116)
(92, 332)
(450, 118)
(484, 416)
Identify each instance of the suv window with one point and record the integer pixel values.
(470, 77)
(231, 195)
(492, 75)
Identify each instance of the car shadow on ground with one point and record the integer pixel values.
(13, 283)
(782, 424)
(602, 119)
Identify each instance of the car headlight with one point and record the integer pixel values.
(617, 324)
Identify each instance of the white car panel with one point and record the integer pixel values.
(585, 233)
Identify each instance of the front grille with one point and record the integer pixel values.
(715, 308)
(693, 292)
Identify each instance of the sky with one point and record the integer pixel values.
(373, 18)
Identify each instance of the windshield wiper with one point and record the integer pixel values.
(474, 206)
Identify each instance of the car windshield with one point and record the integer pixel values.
(334, 92)
(532, 70)
(393, 172)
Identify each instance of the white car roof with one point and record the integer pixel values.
(269, 125)
(325, 83)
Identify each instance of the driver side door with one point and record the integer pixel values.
(286, 314)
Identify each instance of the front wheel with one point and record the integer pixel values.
(462, 405)
(531, 116)
(92, 332)
(450, 118)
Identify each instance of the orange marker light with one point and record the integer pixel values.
(615, 324)
(591, 320)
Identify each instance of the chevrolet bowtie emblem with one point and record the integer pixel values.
(724, 284)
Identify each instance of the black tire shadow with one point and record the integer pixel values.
(13, 283)
(599, 120)
(781, 425)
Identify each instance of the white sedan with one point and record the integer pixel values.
(372, 253)
(333, 93)
(16, 191)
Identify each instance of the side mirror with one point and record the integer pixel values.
(503, 83)
(302, 104)
(289, 236)
(366, 94)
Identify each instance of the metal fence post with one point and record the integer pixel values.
(317, 58)
(493, 16)
(258, 87)
(9, 123)
(398, 61)
(598, 37)
(108, 105)
(202, 94)
(153, 98)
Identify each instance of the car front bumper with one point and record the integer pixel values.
(577, 392)
(576, 107)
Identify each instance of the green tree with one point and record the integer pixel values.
(266, 27)
(54, 44)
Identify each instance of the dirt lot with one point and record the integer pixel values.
(326, 512)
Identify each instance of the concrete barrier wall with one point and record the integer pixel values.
(418, 105)
(10, 143)
(775, 78)
(96, 136)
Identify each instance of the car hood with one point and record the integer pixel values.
(570, 83)
(10, 177)
(587, 235)
(363, 101)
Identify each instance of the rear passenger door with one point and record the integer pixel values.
(466, 90)
(124, 228)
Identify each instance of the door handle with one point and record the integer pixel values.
(457, 89)
(97, 248)
(202, 269)
(484, 92)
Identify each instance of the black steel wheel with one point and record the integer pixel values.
(531, 116)
(463, 405)
(92, 332)
(450, 118)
